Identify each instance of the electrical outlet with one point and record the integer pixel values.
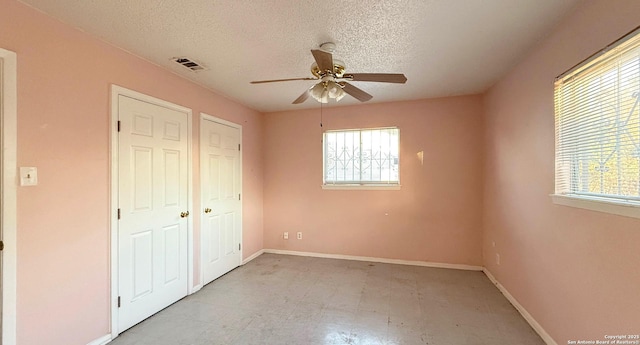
(286, 236)
(497, 258)
(299, 235)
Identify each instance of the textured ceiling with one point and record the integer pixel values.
(444, 47)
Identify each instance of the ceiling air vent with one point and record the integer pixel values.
(189, 63)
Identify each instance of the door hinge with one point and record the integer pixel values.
(118, 213)
(239, 246)
(238, 147)
(239, 197)
(118, 125)
(118, 301)
(1, 245)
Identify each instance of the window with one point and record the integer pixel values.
(597, 124)
(362, 157)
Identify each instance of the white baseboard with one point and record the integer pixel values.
(253, 256)
(381, 260)
(534, 324)
(102, 340)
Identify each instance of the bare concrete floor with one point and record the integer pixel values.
(280, 299)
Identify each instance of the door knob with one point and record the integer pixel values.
(184, 214)
(207, 210)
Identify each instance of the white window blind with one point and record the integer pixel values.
(362, 157)
(597, 125)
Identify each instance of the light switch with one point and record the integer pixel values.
(28, 176)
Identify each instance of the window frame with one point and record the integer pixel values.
(354, 185)
(623, 206)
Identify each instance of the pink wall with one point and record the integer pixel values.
(436, 216)
(64, 79)
(576, 271)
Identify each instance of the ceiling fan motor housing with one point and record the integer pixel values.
(338, 69)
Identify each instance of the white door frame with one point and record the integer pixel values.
(8, 136)
(205, 117)
(113, 216)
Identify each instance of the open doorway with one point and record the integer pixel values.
(8, 183)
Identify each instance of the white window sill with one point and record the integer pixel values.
(621, 208)
(361, 186)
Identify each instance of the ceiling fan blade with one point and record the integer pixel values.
(323, 59)
(356, 92)
(302, 98)
(277, 80)
(377, 77)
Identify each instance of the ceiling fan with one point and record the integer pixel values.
(333, 79)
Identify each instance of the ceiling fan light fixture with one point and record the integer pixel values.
(335, 90)
(324, 98)
(326, 90)
(316, 91)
